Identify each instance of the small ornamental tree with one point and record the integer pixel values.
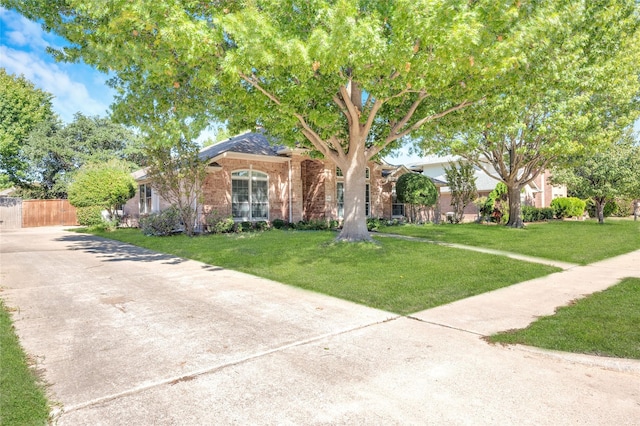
(462, 184)
(176, 171)
(107, 185)
(417, 190)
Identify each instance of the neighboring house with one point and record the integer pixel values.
(250, 180)
(538, 193)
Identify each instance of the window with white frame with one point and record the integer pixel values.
(145, 198)
(397, 209)
(340, 192)
(249, 195)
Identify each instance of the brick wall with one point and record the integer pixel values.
(313, 190)
(217, 186)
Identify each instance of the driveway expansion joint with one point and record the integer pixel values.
(171, 381)
(446, 326)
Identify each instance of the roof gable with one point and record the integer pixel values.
(246, 143)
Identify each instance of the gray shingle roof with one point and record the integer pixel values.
(246, 143)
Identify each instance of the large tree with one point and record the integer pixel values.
(612, 171)
(577, 88)
(54, 150)
(348, 78)
(22, 107)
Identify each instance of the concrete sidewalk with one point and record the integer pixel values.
(519, 305)
(126, 335)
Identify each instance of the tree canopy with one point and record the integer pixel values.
(610, 172)
(107, 185)
(348, 78)
(22, 107)
(578, 89)
(54, 150)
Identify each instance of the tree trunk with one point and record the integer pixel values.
(515, 206)
(600, 209)
(636, 206)
(354, 225)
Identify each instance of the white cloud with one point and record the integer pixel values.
(19, 31)
(69, 96)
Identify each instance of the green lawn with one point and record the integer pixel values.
(393, 275)
(22, 398)
(605, 323)
(580, 242)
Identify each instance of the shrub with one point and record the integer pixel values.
(536, 214)
(546, 213)
(623, 208)
(312, 225)
(374, 223)
(262, 226)
(90, 216)
(166, 222)
(240, 227)
(279, 224)
(219, 225)
(567, 207)
(334, 224)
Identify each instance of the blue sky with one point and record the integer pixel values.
(75, 87)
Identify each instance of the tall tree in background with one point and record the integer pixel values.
(22, 107)
(462, 184)
(612, 171)
(577, 88)
(351, 79)
(55, 150)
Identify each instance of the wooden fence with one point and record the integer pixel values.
(16, 213)
(48, 213)
(10, 213)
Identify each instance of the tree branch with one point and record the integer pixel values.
(343, 108)
(315, 138)
(392, 137)
(404, 120)
(255, 84)
(355, 116)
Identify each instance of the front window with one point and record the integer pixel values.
(145, 198)
(249, 195)
(397, 209)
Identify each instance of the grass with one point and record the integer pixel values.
(580, 242)
(605, 323)
(393, 275)
(22, 398)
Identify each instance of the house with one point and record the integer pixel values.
(537, 193)
(249, 179)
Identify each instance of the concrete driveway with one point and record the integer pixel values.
(128, 336)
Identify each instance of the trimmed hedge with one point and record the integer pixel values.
(568, 207)
(90, 216)
(536, 214)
